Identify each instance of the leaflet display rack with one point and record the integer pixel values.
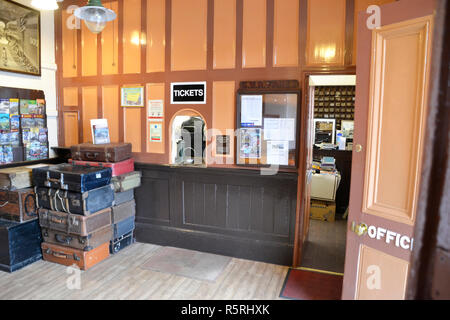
(267, 122)
(23, 125)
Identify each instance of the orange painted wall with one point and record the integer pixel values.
(132, 37)
(110, 44)
(188, 45)
(254, 34)
(224, 34)
(325, 40)
(151, 44)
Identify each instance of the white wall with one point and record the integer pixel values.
(47, 80)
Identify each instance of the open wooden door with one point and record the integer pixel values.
(392, 78)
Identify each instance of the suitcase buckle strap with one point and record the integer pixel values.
(59, 238)
(59, 181)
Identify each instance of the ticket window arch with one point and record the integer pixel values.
(184, 149)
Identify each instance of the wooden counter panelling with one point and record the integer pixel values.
(231, 212)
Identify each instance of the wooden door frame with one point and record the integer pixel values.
(303, 151)
(429, 265)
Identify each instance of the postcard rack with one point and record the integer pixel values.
(267, 122)
(23, 125)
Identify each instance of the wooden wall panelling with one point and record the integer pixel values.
(223, 117)
(224, 34)
(132, 36)
(70, 119)
(326, 32)
(89, 110)
(155, 91)
(189, 32)
(362, 5)
(286, 33)
(254, 34)
(70, 95)
(88, 52)
(110, 110)
(69, 44)
(156, 35)
(110, 43)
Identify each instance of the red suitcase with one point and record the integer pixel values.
(118, 168)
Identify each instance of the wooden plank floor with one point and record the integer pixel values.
(120, 277)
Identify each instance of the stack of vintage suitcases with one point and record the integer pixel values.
(20, 235)
(86, 207)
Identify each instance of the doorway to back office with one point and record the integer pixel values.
(331, 122)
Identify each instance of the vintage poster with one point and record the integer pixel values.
(132, 96)
(250, 143)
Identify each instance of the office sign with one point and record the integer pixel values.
(188, 93)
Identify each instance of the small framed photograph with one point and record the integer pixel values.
(132, 97)
(100, 131)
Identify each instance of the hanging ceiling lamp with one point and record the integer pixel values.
(45, 4)
(95, 16)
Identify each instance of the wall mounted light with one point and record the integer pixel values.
(45, 4)
(95, 16)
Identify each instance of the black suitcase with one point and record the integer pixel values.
(70, 177)
(85, 203)
(123, 227)
(121, 197)
(121, 243)
(20, 244)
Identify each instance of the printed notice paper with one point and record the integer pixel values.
(155, 110)
(278, 152)
(251, 110)
(279, 129)
(155, 132)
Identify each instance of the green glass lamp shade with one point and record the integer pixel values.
(95, 16)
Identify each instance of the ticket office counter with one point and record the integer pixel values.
(233, 212)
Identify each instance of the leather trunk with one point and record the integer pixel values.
(123, 227)
(68, 256)
(69, 177)
(123, 211)
(17, 177)
(121, 197)
(85, 243)
(18, 205)
(85, 203)
(127, 181)
(74, 223)
(20, 244)
(110, 152)
(117, 168)
(122, 242)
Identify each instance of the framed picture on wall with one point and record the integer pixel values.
(132, 97)
(20, 39)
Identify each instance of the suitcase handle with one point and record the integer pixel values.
(90, 155)
(62, 255)
(56, 220)
(61, 239)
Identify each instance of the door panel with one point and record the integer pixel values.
(374, 285)
(396, 119)
(391, 105)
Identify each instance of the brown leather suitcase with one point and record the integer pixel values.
(86, 243)
(18, 205)
(74, 223)
(110, 152)
(69, 256)
(123, 211)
